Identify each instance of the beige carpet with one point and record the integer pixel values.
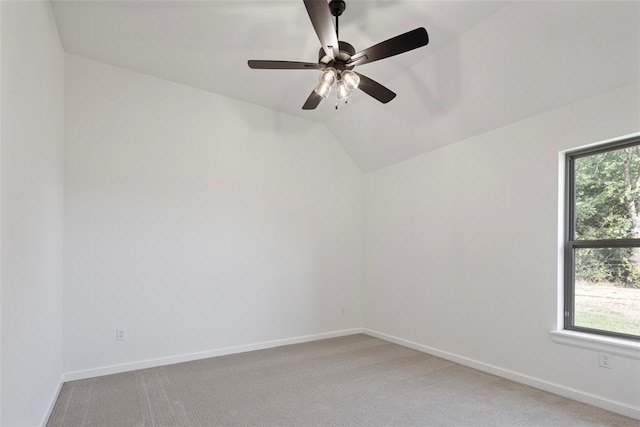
(349, 381)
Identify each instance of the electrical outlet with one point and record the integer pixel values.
(342, 311)
(605, 360)
(121, 334)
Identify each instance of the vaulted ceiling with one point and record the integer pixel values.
(488, 63)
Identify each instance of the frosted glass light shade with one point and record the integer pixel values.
(329, 75)
(351, 79)
(323, 89)
(343, 90)
(327, 80)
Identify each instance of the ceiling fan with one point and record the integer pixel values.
(337, 59)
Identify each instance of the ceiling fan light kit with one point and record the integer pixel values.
(337, 59)
(347, 82)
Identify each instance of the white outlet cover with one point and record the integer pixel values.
(121, 334)
(606, 360)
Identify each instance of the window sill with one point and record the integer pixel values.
(618, 346)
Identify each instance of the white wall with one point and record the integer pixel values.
(461, 247)
(199, 222)
(31, 199)
(1, 118)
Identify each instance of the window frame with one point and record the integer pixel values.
(570, 243)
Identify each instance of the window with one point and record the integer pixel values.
(602, 250)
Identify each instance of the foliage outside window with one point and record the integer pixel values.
(602, 259)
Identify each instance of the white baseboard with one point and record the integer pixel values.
(600, 402)
(163, 361)
(52, 403)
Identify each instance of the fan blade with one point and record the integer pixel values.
(283, 65)
(312, 101)
(322, 22)
(375, 89)
(394, 46)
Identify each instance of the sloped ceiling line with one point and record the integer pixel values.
(488, 63)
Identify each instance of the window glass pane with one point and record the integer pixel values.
(607, 289)
(607, 195)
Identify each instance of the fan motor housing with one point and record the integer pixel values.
(345, 54)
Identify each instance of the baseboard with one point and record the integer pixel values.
(600, 402)
(163, 361)
(52, 403)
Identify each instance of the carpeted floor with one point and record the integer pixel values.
(349, 381)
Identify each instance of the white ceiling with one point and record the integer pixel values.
(487, 64)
